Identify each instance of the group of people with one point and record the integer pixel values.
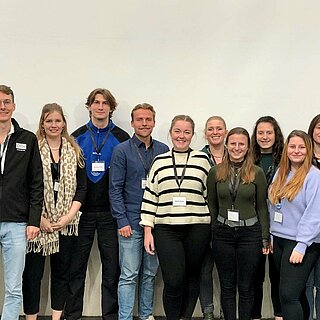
(235, 203)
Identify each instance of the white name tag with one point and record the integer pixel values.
(56, 186)
(21, 146)
(233, 215)
(179, 201)
(278, 216)
(98, 166)
(143, 183)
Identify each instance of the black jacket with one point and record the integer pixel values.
(21, 184)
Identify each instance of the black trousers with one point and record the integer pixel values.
(236, 252)
(106, 228)
(293, 277)
(181, 250)
(33, 273)
(274, 277)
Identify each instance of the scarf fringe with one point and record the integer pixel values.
(46, 249)
(70, 230)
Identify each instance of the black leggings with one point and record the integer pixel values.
(293, 277)
(181, 251)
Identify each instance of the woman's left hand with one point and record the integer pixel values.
(296, 257)
(61, 223)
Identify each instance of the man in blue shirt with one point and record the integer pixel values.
(130, 164)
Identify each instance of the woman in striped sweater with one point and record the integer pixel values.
(176, 218)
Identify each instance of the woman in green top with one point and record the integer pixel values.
(237, 203)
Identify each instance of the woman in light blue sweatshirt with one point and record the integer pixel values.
(295, 222)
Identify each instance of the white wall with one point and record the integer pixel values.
(239, 59)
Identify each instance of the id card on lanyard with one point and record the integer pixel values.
(99, 165)
(179, 201)
(278, 216)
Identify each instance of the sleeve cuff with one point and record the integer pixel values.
(300, 247)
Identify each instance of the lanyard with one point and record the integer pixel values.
(175, 169)
(56, 165)
(234, 186)
(146, 159)
(96, 148)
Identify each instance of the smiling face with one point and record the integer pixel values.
(265, 137)
(6, 107)
(215, 132)
(297, 151)
(143, 123)
(53, 125)
(181, 135)
(237, 146)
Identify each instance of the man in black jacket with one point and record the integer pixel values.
(21, 197)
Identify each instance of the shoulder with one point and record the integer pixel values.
(122, 147)
(163, 157)
(313, 175)
(120, 134)
(80, 131)
(201, 157)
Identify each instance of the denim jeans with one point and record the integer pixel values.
(135, 264)
(181, 249)
(236, 253)
(314, 282)
(206, 282)
(293, 277)
(13, 241)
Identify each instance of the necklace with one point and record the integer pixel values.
(52, 148)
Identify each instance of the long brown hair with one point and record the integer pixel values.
(224, 168)
(280, 189)
(54, 107)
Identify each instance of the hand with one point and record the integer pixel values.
(45, 225)
(265, 246)
(125, 232)
(296, 257)
(32, 232)
(149, 241)
(61, 223)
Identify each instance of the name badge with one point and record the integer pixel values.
(278, 216)
(179, 201)
(56, 186)
(21, 146)
(98, 166)
(233, 215)
(143, 183)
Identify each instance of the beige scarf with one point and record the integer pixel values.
(46, 242)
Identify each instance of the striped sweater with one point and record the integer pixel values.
(157, 204)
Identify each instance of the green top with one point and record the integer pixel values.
(250, 199)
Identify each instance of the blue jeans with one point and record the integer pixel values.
(135, 263)
(13, 241)
(314, 282)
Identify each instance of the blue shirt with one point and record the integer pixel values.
(130, 164)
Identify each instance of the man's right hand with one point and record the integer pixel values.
(125, 232)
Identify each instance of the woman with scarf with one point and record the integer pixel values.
(64, 193)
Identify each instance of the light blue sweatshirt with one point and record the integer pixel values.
(301, 216)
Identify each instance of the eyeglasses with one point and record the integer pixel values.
(6, 102)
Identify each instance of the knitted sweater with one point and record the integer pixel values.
(162, 187)
(301, 216)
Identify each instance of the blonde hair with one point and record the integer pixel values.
(280, 189)
(224, 168)
(215, 118)
(54, 107)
